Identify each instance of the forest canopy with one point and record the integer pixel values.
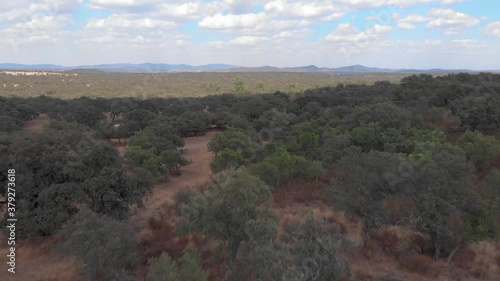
(423, 154)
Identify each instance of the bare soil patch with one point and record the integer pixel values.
(36, 125)
(37, 261)
(195, 176)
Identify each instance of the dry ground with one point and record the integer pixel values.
(195, 175)
(36, 125)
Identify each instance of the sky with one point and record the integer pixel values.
(423, 34)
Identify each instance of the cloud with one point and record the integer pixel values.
(450, 19)
(409, 22)
(447, 19)
(248, 40)
(24, 10)
(326, 10)
(38, 30)
(292, 34)
(128, 22)
(41, 24)
(493, 29)
(347, 33)
(231, 21)
(122, 4)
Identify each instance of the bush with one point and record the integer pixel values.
(479, 149)
(165, 268)
(106, 255)
(184, 196)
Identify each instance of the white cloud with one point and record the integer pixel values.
(409, 22)
(327, 10)
(24, 10)
(122, 4)
(231, 21)
(447, 18)
(248, 40)
(493, 29)
(242, 6)
(128, 22)
(347, 33)
(292, 34)
(41, 24)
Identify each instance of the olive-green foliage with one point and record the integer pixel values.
(239, 84)
(387, 115)
(262, 256)
(146, 159)
(227, 159)
(282, 165)
(108, 249)
(479, 149)
(232, 149)
(477, 110)
(14, 114)
(483, 224)
(440, 186)
(366, 179)
(155, 149)
(317, 252)
(64, 168)
(309, 251)
(189, 268)
(224, 211)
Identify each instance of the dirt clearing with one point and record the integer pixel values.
(36, 125)
(195, 175)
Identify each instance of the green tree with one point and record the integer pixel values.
(164, 268)
(172, 160)
(262, 257)
(317, 252)
(475, 110)
(483, 224)
(479, 149)
(441, 188)
(146, 159)
(224, 211)
(228, 159)
(308, 251)
(239, 84)
(282, 165)
(366, 179)
(64, 169)
(94, 240)
(214, 87)
(232, 149)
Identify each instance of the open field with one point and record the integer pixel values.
(150, 85)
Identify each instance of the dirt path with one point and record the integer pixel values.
(195, 175)
(36, 125)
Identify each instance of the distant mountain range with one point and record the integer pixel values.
(161, 67)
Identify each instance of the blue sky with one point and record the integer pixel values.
(383, 33)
